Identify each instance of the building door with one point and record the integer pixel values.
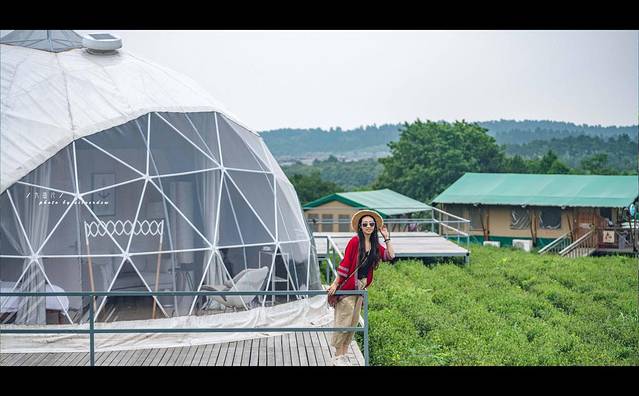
(584, 221)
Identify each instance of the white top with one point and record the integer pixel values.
(50, 99)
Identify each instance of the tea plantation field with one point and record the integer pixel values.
(507, 308)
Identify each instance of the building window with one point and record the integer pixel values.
(344, 223)
(313, 219)
(475, 218)
(550, 218)
(327, 223)
(519, 218)
(606, 213)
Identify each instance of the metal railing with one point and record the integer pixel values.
(92, 331)
(557, 245)
(445, 224)
(583, 246)
(333, 255)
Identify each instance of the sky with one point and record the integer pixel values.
(308, 79)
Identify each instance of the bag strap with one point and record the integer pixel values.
(351, 274)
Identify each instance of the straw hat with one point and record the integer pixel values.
(379, 222)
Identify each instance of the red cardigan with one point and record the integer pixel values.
(349, 263)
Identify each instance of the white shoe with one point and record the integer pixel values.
(341, 360)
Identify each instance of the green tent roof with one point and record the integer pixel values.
(386, 202)
(542, 190)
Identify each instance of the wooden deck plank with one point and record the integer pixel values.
(255, 352)
(279, 357)
(262, 352)
(14, 357)
(215, 353)
(301, 349)
(359, 355)
(140, 355)
(230, 353)
(246, 353)
(190, 355)
(80, 359)
(48, 358)
(154, 358)
(270, 351)
(295, 355)
(239, 350)
(195, 360)
(181, 354)
(63, 359)
(169, 357)
(319, 349)
(100, 357)
(113, 359)
(205, 354)
(124, 359)
(308, 347)
(35, 358)
(286, 350)
(224, 347)
(326, 350)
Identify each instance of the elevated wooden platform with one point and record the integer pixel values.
(406, 244)
(290, 349)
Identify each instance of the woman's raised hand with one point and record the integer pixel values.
(384, 231)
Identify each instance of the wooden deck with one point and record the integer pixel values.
(406, 244)
(290, 349)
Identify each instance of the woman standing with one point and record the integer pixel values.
(355, 272)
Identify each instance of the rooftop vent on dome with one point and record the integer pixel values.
(101, 43)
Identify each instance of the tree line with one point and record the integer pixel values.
(429, 156)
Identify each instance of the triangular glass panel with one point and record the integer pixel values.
(198, 194)
(204, 123)
(252, 140)
(57, 172)
(80, 232)
(162, 226)
(129, 307)
(97, 169)
(251, 228)
(183, 123)
(258, 190)
(39, 210)
(127, 142)
(291, 224)
(235, 151)
(171, 153)
(31, 278)
(294, 265)
(12, 239)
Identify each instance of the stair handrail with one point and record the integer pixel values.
(587, 237)
(552, 245)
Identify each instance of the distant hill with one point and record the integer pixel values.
(289, 145)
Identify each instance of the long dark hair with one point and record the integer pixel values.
(373, 256)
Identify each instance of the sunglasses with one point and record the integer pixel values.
(371, 224)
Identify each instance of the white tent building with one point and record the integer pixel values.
(119, 174)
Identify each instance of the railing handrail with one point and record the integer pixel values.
(92, 330)
(554, 243)
(451, 215)
(576, 243)
(455, 229)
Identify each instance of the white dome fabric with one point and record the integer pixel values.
(50, 99)
(118, 174)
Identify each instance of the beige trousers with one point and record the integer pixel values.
(347, 312)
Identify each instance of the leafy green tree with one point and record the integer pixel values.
(430, 156)
(549, 164)
(311, 187)
(597, 165)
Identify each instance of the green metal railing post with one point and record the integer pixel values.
(366, 328)
(91, 332)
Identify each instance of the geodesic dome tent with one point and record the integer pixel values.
(119, 174)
